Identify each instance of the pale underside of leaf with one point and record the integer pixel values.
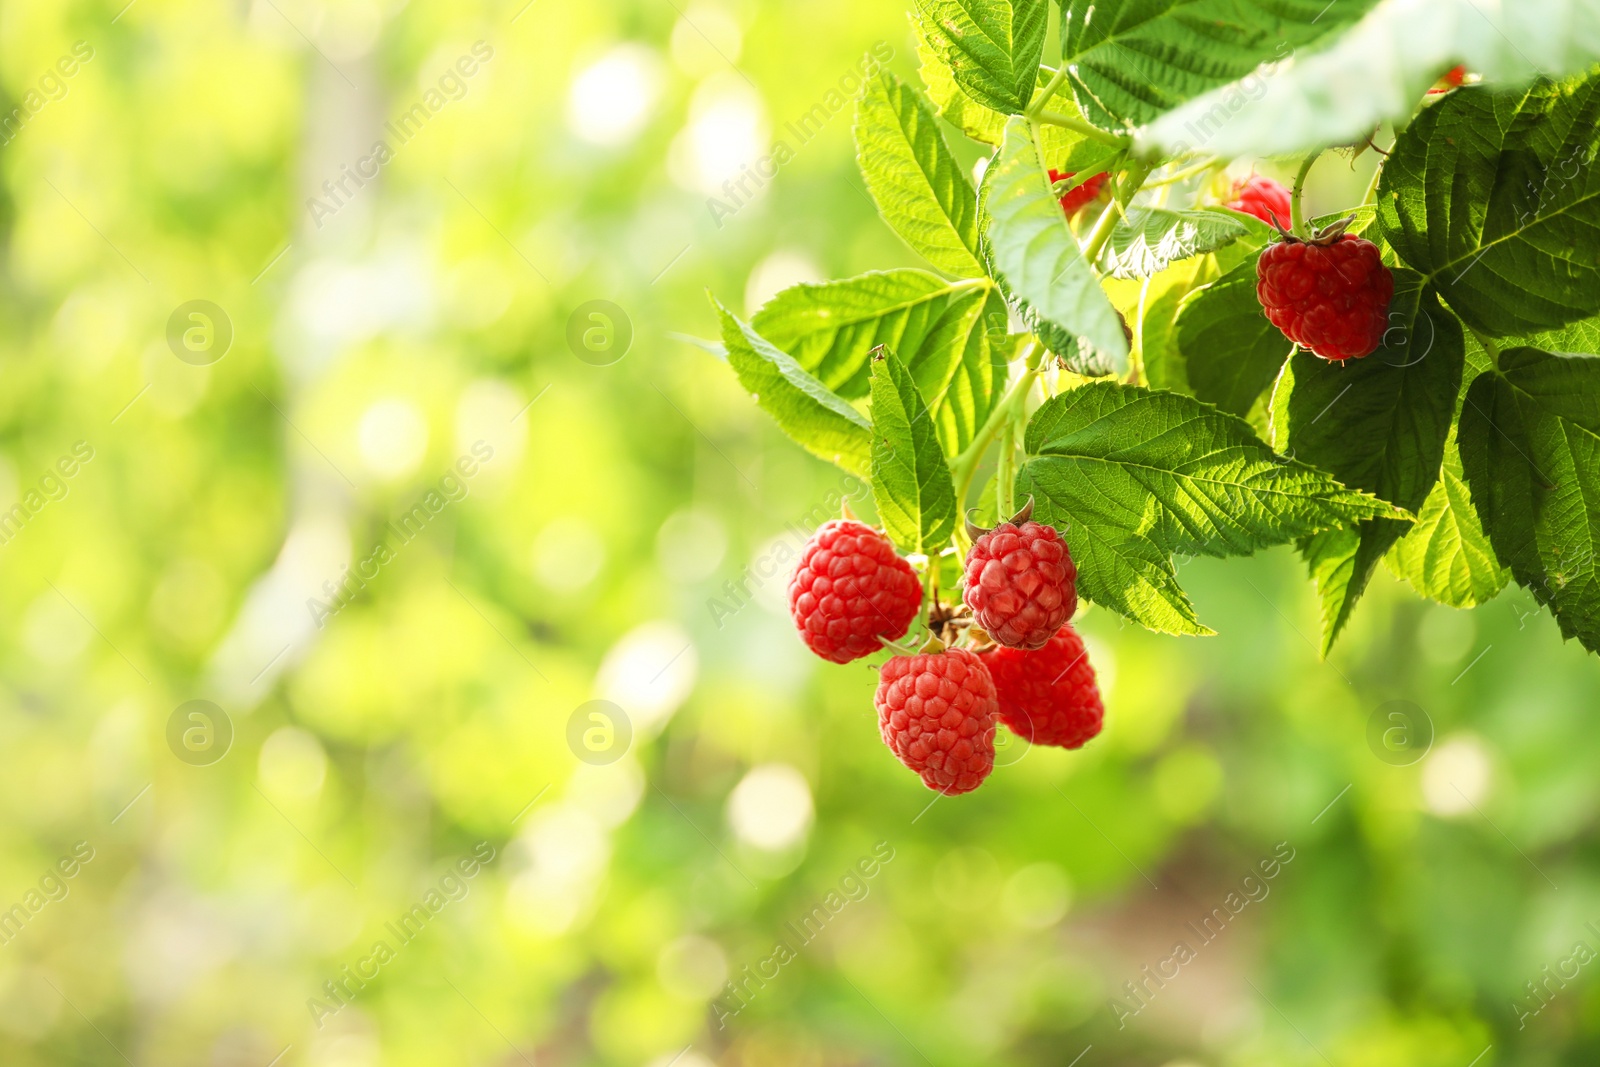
(1033, 247)
(1377, 71)
(1135, 60)
(1148, 239)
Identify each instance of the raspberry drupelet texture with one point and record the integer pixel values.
(1048, 697)
(1021, 584)
(1078, 198)
(849, 589)
(1332, 298)
(936, 712)
(1263, 198)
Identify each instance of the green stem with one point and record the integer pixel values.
(1371, 196)
(1094, 133)
(1005, 473)
(1096, 242)
(930, 590)
(966, 464)
(1136, 352)
(1187, 172)
(1037, 106)
(1297, 207)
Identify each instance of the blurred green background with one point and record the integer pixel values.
(197, 884)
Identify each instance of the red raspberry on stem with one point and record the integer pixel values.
(1077, 199)
(936, 712)
(1329, 294)
(850, 589)
(1452, 80)
(1048, 697)
(1263, 198)
(1020, 581)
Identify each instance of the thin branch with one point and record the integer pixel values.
(1094, 133)
(1297, 208)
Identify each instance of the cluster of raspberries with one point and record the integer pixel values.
(1024, 665)
(1021, 663)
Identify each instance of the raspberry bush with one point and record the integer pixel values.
(1092, 337)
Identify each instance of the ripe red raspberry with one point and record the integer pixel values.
(1263, 198)
(850, 589)
(1452, 80)
(1021, 584)
(1330, 294)
(1048, 697)
(1081, 196)
(936, 712)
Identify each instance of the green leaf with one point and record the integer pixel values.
(1494, 197)
(940, 329)
(991, 47)
(1581, 337)
(910, 479)
(1150, 239)
(813, 415)
(1446, 556)
(1034, 250)
(920, 189)
(950, 100)
(1230, 349)
(1530, 448)
(1133, 60)
(1066, 150)
(1159, 303)
(1377, 424)
(1131, 477)
(1377, 71)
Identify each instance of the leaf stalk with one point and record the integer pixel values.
(1297, 209)
(966, 464)
(1094, 133)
